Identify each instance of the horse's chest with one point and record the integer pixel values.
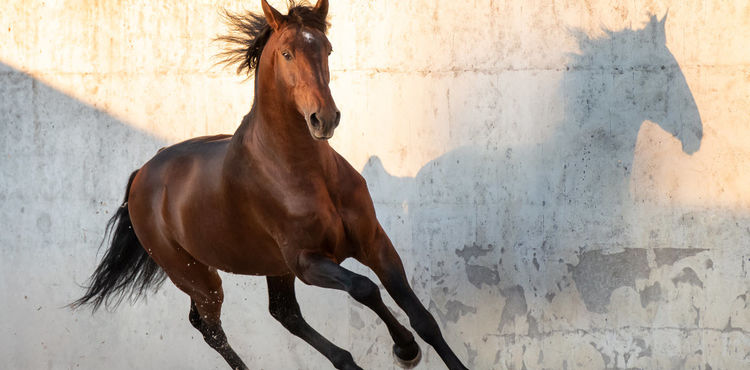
(320, 229)
(312, 217)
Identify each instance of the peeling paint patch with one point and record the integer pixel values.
(688, 276)
(355, 321)
(479, 275)
(471, 354)
(473, 251)
(744, 299)
(515, 305)
(455, 309)
(605, 357)
(533, 326)
(668, 256)
(645, 350)
(650, 294)
(597, 275)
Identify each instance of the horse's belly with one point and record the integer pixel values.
(248, 253)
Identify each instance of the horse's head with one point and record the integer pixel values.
(647, 82)
(667, 99)
(289, 54)
(297, 52)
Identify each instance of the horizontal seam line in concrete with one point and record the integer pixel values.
(573, 68)
(609, 330)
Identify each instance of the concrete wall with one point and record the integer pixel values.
(567, 182)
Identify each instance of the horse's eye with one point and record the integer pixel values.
(287, 55)
(330, 51)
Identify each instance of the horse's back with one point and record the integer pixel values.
(178, 177)
(197, 147)
(182, 164)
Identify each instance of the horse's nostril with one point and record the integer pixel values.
(314, 120)
(338, 118)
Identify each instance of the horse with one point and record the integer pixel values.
(274, 199)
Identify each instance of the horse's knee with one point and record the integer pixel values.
(363, 290)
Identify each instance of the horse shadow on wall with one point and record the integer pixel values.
(62, 153)
(508, 227)
(65, 164)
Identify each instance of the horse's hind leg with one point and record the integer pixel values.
(318, 270)
(203, 285)
(214, 335)
(282, 303)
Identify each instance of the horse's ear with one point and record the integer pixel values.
(273, 17)
(663, 20)
(322, 8)
(658, 28)
(661, 28)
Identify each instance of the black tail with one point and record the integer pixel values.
(126, 269)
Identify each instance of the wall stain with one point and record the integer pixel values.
(668, 256)
(533, 331)
(473, 251)
(471, 353)
(479, 275)
(355, 321)
(605, 357)
(455, 309)
(597, 275)
(688, 276)
(515, 305)
(650, 294)
(645, 350)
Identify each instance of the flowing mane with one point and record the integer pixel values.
(249, 32)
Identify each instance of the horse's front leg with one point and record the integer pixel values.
(386, 263)
(282, 303)
(320, 271)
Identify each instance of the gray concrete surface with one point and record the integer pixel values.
(567, 182)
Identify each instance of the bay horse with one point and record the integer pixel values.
(273, 199)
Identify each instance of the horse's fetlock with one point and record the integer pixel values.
(343, 360)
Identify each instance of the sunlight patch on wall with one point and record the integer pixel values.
(149, 66)
(716, 175)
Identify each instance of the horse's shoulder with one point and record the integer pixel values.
(349, 179)
(354, 202)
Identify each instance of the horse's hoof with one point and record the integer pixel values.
(407, 364)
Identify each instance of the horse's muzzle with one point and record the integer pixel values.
(322, 124)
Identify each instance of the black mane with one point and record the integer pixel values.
(249, 33)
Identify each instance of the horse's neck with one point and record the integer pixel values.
(274, 136)
(279, 138)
